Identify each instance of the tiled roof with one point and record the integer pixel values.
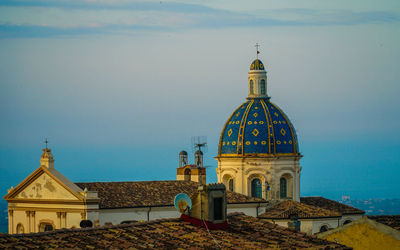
(284, 209)
(318, 201)
(245, 232)
(389, 220)
(150, 193)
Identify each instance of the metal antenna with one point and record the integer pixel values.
(199, 142)
(47, 142)
(257, 46)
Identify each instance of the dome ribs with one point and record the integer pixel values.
(240, 148)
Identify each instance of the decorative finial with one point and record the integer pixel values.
(47, 142)
(257, 46)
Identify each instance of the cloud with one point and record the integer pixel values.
(28, 31)
(63, 18)
(37, 31)
(113, 5)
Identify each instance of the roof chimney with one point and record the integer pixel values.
(209, 207)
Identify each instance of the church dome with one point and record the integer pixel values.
(258, 127)
(257, 65)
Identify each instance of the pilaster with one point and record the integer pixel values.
(33, 218)
(62, 219)
(59, 219)
(28, 220)
(10, 221)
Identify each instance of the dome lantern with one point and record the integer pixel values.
(257, 80)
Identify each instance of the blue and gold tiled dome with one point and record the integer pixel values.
(258, 127)
(257, 65)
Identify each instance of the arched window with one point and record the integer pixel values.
(262, 86)
(86, 223)
(129, 221)
(251, 87)
(45, 227)
(231, 185)
(20, 229)
(256, 188)
(187, 174)
(323, 229)
(346, 222)
(283, 188)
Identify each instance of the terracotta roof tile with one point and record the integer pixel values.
(149, 193)
(284, 209)
(389, 220)
(321, 202)
(244, 232)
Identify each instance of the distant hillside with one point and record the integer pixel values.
(376, 206)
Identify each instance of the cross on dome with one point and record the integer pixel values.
(257, 51)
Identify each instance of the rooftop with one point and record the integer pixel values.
(284, 210)
(150, 193)
(244, 232)
(388, 220)
(335, 206)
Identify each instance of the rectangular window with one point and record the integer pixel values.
(218, 208)
(231, 185)
(262, 87)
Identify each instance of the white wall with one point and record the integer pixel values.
(310, 226)
(350, 217)
(116, 216)
(247, 211)
(329, 222)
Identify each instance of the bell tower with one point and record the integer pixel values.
(47, 158)
(191, 172)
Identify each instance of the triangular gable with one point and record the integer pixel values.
(45, 184)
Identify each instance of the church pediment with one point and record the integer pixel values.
(44, 185)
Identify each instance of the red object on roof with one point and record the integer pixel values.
(204, 223)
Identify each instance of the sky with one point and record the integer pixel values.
(120, 87)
